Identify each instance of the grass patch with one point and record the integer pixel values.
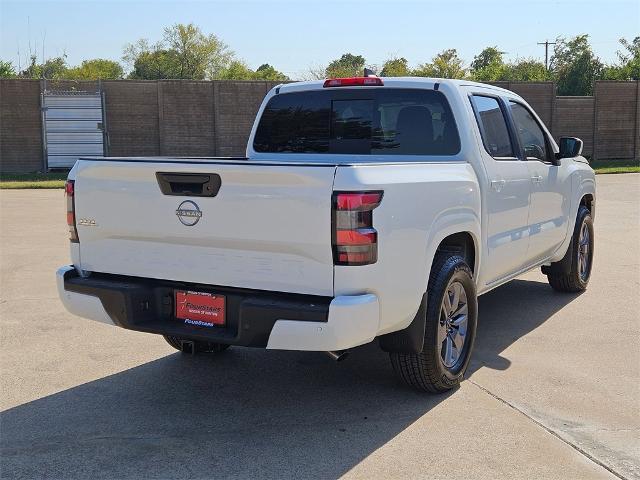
(616, 166)
(32, 180)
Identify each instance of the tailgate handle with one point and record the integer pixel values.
(189, 184)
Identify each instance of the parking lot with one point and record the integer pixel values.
(553, 390)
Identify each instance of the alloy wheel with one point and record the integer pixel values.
(584, 252)
(452, 330)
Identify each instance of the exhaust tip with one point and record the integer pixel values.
(339, 355)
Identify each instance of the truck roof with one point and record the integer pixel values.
(397, 82)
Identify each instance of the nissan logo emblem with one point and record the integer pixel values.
(188, 213)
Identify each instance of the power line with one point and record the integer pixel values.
(546, 44)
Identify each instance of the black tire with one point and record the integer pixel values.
(567, 275)
(426, 371)
(199, 347)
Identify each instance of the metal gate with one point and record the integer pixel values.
(73, 126)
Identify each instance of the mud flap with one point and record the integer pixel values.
(562, 266)
(410, 339)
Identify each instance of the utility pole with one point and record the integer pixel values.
(546, 44)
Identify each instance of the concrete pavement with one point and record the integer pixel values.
(553, 389)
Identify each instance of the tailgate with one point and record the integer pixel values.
(268, 227)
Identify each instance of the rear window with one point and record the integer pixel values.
(493, 127)
(366, 121)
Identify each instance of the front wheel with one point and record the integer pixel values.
(572, 273)
(450, 329)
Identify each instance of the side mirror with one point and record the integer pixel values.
(570, 147)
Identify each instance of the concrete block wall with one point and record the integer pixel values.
(181, 118)
(617, 120)
(20, 126)
(132, 119)
(189, 134)
(574, 118)
(203, 118)
(237, 105)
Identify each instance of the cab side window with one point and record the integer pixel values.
(531, 135)
(493, 127)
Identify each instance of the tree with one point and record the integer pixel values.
(95, 69)
(184, 53)
(198, 55)
(236, 70)
(7, 70)
(628, 67)
(133, 51)
(574, 66)
(446, 64)
(525, 70)
(155, 65)
(633, 49)
(488, 65)
(267, 72)
(396, 67)
(52, 69)
(631, 59)
(347, 65)
(315, 72)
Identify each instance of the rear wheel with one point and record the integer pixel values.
(193, 346)
(450, 328)
(572, 273)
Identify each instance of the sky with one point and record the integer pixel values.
(295, 36)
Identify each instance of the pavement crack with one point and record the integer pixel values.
(552, 432)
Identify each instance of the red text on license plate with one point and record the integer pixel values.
(200, 308)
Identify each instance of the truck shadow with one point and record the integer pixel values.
(508, 313)
(244, 414)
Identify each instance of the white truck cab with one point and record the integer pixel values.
(366, 208)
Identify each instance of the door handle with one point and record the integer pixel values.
(189, 184)
(536, 178)
(498, 184)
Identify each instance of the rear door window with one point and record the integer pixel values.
(493, 127)
(371, 121)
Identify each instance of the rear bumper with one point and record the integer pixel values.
(254, 318)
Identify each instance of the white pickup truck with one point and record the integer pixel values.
(366, 208)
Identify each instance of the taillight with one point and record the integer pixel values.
(69, 192)
(355, 241)
(353, 82)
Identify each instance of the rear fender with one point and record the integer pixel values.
(410, 339)
(463, 220)
(422, 204)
